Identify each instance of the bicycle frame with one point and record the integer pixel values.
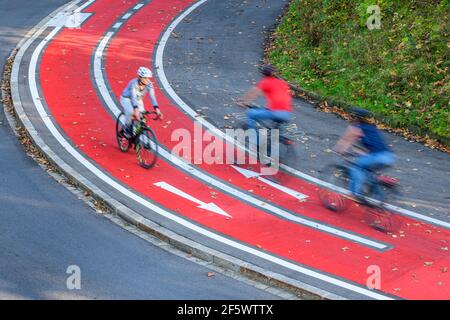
(373, 181)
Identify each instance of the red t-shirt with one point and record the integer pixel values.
(277, 92)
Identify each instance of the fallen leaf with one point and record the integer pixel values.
(427, 264)
(211, 274)
(345, 248)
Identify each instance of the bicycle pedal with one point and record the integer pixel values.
(377, 227)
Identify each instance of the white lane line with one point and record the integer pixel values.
(51, 127)
(252, 174)
(81, 8)
(265, 206)
(70, 18)
(126, 16)
(138, 6)
(117, 25)
(203, 205)
(217, 132)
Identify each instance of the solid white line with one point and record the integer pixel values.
(84, 6)
(217, 132)
(215, 182)
(32, 82)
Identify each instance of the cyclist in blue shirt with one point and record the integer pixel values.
(378, 154)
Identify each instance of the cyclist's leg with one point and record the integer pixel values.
(380, 160)
(281, 116)
(255, 115)
(358, 173)
(128, 110)
(385, 158)
(357, 177)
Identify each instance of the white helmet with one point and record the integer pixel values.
(144, 72)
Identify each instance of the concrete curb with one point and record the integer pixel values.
(197, 250)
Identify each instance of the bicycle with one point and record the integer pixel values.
(143, 139)
(378, 190)
(287, 139)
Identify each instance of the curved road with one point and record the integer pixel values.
(45, 228)
(218, 206)
(215, 51)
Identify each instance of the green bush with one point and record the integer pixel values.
(400, 71)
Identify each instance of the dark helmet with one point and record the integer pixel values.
(359, 113)
(268, 70)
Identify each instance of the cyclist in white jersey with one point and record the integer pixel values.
(132, 98)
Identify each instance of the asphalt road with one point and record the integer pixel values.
(45, 228)
(211, 59)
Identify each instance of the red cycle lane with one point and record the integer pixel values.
(81, 115)
(425, 242)
(139, 37)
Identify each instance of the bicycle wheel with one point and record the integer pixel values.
(147, 149)
(289, 153)
(381, 219)
(288, 156)
(333, 200)
(124, 143)
(377, 215)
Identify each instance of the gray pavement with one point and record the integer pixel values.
(45, 228)
(212, 60)
(225, 254)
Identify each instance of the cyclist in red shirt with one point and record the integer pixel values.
(278, 95)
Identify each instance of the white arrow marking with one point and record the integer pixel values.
(207, 206)
(252, 174)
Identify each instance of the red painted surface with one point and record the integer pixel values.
(70, 95)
